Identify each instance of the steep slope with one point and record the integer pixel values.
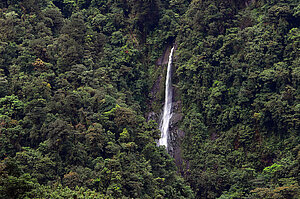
(74, 85)
(77, 79)
(238, 71)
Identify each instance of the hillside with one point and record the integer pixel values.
(79, 79)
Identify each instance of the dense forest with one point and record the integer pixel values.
(76, 88)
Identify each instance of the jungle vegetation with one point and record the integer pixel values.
(75, 89)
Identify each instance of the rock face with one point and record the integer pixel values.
(163, 60)
(176, 134)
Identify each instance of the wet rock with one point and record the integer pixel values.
(162, 60)
(176, 118)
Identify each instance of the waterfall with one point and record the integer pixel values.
(167, 114)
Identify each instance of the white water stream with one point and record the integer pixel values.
(167, 114)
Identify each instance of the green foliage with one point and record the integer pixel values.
(77, 78)
(60, 192)
(74, 87)
(13, 182)
(235, 75)
(11, 106)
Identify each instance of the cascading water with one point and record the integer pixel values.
(167, 114)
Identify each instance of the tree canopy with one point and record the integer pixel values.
(78, 79)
